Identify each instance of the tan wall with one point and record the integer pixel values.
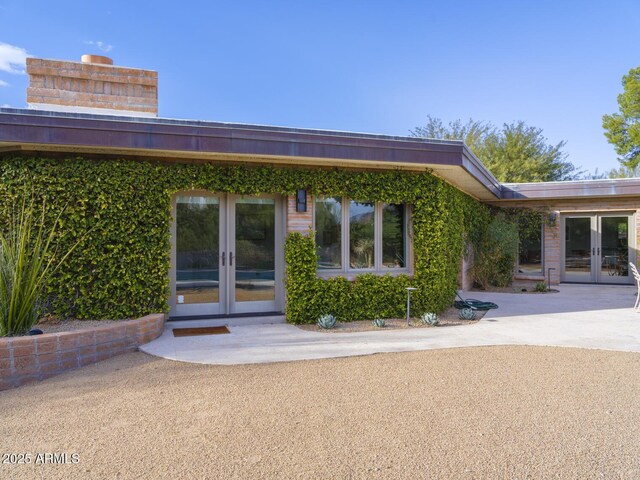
(552, 234)
(552, 249)
(297, 221)
(77, 86)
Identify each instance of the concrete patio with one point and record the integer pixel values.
(584, 316)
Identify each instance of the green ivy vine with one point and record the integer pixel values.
(120, 269)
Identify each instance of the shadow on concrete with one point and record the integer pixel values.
(570, 298)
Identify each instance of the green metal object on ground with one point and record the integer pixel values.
(473, 304)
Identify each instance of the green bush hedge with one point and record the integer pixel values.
(309, 297)
(120, 269)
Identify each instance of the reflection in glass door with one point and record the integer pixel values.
(597, 248)
(577, 249)
(613, 249)
(197, 257)
(254, 270)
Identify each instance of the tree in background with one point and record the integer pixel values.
(514, 153)
(621, 172)
(624, 172)
(474, 134)
(623, 129)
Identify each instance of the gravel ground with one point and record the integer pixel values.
(493, 412)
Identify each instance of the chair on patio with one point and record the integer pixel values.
(636, 276)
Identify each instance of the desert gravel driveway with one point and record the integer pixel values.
(511, 412)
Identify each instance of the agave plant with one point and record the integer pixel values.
(430, 319)
(466, 314)
(379, 323)
(326, 322)
(27, 261)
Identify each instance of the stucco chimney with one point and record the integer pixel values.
(93, 85)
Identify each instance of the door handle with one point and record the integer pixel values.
(593, 251)
(231, 259)
(223, 258)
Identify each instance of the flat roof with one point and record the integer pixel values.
(622, 187)
(26, 130)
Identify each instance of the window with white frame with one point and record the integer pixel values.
(356, 235)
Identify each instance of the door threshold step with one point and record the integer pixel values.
(232, 321)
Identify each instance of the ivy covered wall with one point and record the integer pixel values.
(443, 219)
(121, 211)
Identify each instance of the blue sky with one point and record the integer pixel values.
(378, 67)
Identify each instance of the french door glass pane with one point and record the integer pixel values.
(614, 240)
(329, 232)
(578, 247)
(393, 236)
(255, 249)
(197, 249)
(361, 234)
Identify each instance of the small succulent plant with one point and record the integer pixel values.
(430, 319)
(326, 322)
(379, 323)
(466, 314)
(541, 287)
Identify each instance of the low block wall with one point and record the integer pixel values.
(29, 358)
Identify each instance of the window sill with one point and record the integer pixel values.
(352, 274)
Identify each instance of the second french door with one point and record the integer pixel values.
(597, 248)
(226, 256)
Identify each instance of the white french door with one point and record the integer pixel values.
(253, 242)
(226, 255)
(597, 248)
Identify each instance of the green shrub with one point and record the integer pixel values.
(541, 287)
(496, 253)
(27, 262)
(368, 297)
(308, 297)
